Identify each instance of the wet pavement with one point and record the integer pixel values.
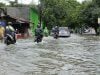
(76, 55)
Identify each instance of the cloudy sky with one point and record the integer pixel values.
(27, 1)
(21, 1)
(80, 0)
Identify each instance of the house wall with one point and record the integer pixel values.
(34, 17)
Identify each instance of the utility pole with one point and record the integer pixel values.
(40, 12)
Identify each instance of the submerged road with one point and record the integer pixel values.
(76, 55)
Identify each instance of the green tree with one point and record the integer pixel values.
(2, 4)
(89, 14)
(59, 12)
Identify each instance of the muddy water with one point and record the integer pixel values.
(76, 55)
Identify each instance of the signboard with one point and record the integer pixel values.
(98, 20)
(2, 23)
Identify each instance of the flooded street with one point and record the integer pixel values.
(76, 55)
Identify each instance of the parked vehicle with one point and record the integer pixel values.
(64, 32)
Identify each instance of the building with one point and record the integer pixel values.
(22, 18)
(19, 16)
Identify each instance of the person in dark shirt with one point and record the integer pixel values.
(38, 32)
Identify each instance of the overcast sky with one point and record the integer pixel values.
(27, 1)
(80, 0)
(21, 1)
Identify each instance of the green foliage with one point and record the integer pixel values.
(89, 13)
(2, 5)
(59, 12)
(71, 13)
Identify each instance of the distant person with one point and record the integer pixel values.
(10, 31)
(55, 31)
(2, 32)
(38, 34)
(46, 32)
(9, 28)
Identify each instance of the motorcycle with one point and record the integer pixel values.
(10, 39)
(55, 35)
(38, 38)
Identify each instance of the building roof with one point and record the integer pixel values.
(21, 13)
